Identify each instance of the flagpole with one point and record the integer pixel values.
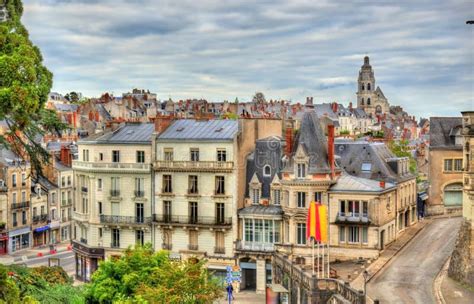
(318, 261)
(313, 255)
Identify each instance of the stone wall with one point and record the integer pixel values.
(461, 266)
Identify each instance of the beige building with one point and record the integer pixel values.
(112, 206)
(362, 217)
(196, 190)
(445, 171)
(39, 216)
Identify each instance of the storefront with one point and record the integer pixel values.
(54, 232)
(87, 260)
(40, 236)
(3, 243)
(19, 239)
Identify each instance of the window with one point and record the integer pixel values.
(13, 180)
(140, 157)
(342, 234)
(35, 211)
(69, 180)
(366, 167)
(85, 155)
(258, 230)
(23, 217)
(23, 196)
(15, 222)
(139, 213)
(368, 101)
(193, 240)
(362, 87)
(248, 230)
(139, 187)
(167, 211)
(267, 171)
(362, 101)
(115, 186)
(220, 213)
(115, 238)
(168, 154)
(301, 170)
(101, 156)
(115, 156)
(139, 237)
(365, 237)
(99, 204)
(100, 233)
(368, 87)
(167, 184)
(220, 247)
(353, 236)
(255, 196)
(193, 212)
(365, 208)
(14, 198)
(276, 197)
(63, 181)
(23, 179)
(342, 207)
(318, 197)
(301, 199)
(301, 233)
(448, 165)
(221, 155)
(99, 184)
(458, 164)
(53, 214)
(194, 155)
(42, 210)
(193, 184)
(354, 208)
(220, 185)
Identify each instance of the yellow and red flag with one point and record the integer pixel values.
(317, 223)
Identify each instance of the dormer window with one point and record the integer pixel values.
(255, 196)
(267, 171)
(301, 170)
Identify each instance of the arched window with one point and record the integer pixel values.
(362, 87)
(267, 171)
(368, 87)
(361, 102)
(368, 101)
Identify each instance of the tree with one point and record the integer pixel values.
(142, 275)
(9, 292)
(401, 149)
(24, 87)
(72, 97)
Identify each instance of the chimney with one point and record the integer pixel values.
(334, 107)
(66, 156)
(331, 149)
(162, 122)
(309, 102)
(350, 106)
(382, 184)
(289, 140)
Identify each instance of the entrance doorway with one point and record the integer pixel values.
(382, 239)
(407, 218)
(249, 274)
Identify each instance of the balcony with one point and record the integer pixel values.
(165, 246)
(352, 218)
(190, 166)
(193, 247)
(81, 217)
(219, 250)
(139, 193)
(124, 220)
(24, 204)
(192, 220)
(255, 246)
(110, 167)
(38, 219)
(115, 193)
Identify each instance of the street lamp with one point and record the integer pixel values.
(366, 276)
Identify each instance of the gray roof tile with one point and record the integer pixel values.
(191, 129)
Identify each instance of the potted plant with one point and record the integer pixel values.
(2, 225)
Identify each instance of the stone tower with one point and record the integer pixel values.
(370, 98)
(366, 85)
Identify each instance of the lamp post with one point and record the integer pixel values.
(366, 276)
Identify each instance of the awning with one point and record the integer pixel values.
(43, 228)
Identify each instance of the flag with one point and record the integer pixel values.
(317, 223)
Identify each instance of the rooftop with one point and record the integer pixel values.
(191, 129)
(443, 132)
(129, 133)
(351, 183)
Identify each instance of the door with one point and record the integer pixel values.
(382, 239)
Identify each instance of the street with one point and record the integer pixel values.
(408, 278)
(66, 261)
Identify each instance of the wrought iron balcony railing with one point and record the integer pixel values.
(119, 219)
(192, 220)
(24, 204)
(115, 193)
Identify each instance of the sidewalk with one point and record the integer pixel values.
(32, 253)
(389, 252)
(448, 291)
(244, 297)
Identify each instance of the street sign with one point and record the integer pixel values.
(234, 274)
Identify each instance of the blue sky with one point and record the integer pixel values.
(422, 51)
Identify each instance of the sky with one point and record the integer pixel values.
(422, 51)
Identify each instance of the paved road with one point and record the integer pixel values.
(408, 278)
(66, 261)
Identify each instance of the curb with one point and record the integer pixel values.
(34, 256)
(398, 251)
(438, 281)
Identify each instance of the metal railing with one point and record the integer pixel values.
(24, 204)
(40, 218)
(109, 166)
(193, 220)
(193, 247)
(353, 217)
(199, 165)
(114, 193)
(139, 193)
(119, 219)
(219, 250)
(115, 245)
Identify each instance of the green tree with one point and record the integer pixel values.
(24, 87)
(72, 97)
(9, 292)
(142, 275)
(401, 149)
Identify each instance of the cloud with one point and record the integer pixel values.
(421, 52)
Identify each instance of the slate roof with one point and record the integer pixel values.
(45, 183)
(313, 140)
(60, 167)
(351, 183)
(191, 129)
(129, 133)
(353, 155)
(65, 107)
(442, 132)
(270, 210)
(380, 93)
(360, 113)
